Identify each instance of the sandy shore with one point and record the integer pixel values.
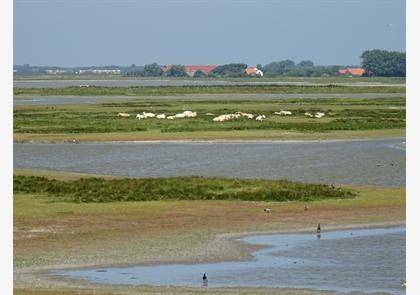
(228, 244)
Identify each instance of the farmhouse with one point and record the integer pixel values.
(206, 69)
(253, 71)
(352, 71)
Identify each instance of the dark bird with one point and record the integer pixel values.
(318, 229)
(204, 276)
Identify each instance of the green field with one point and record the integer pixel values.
(78, 121)
(184, 90)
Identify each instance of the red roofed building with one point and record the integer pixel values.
(352, 71)
(253, 71)
(191, 69)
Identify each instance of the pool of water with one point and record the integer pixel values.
(365, 260)
(372, 162)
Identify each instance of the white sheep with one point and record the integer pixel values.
(161, 116)
(249, 116)
(140, 117)
(148, 115)
(189, 114)
(260, 118)
(319, 115)
(283, 113)
(124, 115)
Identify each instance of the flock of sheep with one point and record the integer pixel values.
(221, 118)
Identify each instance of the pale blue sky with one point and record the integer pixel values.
(122, 32)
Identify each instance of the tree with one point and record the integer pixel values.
(306, 64)
(230, 70)
(152, 70)
(384, 63)
(277, 68)
(177, 71)
(199, 74)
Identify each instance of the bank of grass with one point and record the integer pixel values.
(175, 188)
(184, 90)
(341, 115)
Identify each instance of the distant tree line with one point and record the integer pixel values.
(376, 63)
(384, 63)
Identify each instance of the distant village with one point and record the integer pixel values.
(197, 71)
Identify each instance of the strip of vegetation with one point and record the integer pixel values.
(175, 188)
(184, 90)
(340, 115)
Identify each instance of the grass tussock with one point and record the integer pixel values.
(175, 188)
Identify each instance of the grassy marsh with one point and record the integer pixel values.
(100, 190)
(184, 90)
(81, 120)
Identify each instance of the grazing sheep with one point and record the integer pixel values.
(148, 115)
(309, 115)
(124, 115)
(161, 116)
(267, 210)
(248, 115)
(319, 115)
(170, 117)
(189, 114)
(283, 113)
(227, 117)
(260, 118)
(140, 117)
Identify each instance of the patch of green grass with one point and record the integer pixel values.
(341, 114)
(183, 90)
(175, 188)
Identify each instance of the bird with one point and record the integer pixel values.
(318, 229)
(204, 276)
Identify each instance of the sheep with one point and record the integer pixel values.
(124, 115)
(221, 118)
(260, 118)
(148, 115)
(309, 115)
(249, 116)
(283, 113)
(170, 117)
(140, 117)
(189, 114)
(227, 117)
(161, 116)
(267, 210)
(319, 115)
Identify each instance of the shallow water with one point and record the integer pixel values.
(373, 162)
(370, 260)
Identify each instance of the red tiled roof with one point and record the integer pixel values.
(356, 71)
(343, 71)
(204, 68)
(251, 70)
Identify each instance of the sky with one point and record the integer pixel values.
(124, 32)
